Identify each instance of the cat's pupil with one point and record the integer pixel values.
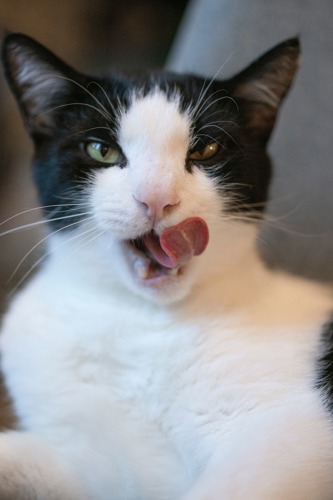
(100, 148)
(103, 149)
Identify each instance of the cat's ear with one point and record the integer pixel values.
(266, 82)
(39, 80)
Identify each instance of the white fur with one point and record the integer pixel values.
(199, 389)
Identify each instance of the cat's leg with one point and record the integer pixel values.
(30, 470)
(282, 454)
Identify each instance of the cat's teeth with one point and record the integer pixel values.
(173, 272)
(142, 268)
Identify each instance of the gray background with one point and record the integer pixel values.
(214, 32)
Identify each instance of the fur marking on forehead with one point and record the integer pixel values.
(155, 120)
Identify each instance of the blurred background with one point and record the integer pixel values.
(200, 36)
(93, 36)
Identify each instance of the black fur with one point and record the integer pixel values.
(64, 116)
(325, 366)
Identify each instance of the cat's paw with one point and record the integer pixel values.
(30, 470)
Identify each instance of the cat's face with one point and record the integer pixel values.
(153, 170)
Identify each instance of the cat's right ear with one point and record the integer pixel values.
(39, 80)
(264, 84)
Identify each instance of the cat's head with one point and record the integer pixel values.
(162, 176)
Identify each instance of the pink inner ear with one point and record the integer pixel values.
(178, 244)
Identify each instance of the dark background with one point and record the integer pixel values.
(93, 36)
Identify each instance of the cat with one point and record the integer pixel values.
(155, 355)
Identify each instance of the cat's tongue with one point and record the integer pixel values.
(178, 244)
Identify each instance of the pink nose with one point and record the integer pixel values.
(157, 205)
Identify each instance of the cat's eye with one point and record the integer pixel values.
(103, 153)
(206, 153)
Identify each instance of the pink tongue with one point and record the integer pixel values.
(179, 243)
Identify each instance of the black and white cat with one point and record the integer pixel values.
(154, 355)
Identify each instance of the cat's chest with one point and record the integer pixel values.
(172, 381)
(175, 368)
(164, 383)
(160, 361)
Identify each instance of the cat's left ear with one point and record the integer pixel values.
(264, 84)
(39, 80)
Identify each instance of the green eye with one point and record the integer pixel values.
(208, 152)
(103, 153)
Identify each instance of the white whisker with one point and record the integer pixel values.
(44, 256)
(90, 130)
(212, 124)
(98, 102)
(40, 208)
(222, 130)
(210, 104)
(39, 223)
(97, 234)
(112, 107)
(203, 108)
(50, 110)
(204, 89)
(42, 241)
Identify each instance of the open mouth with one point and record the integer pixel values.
(156, 255)
(150, 261)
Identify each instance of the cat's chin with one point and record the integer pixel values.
(154, 281)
